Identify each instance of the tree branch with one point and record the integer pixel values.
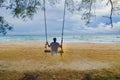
(111, 13)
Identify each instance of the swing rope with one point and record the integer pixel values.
(63, 25)
(45, 22)
(63, 22)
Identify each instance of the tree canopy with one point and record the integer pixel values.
(25, 9)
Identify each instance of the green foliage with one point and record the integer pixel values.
(25, 9)
(1, 1)
(4, 26)
(22, 9)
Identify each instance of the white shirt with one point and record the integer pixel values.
(54, 48)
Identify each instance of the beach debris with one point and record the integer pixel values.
(29, 76)
(87, 77)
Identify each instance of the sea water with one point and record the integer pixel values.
(67, 38)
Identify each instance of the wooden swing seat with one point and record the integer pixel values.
(48, 51)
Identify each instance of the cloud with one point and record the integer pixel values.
(100, 29)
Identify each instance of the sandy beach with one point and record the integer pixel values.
(23, 58)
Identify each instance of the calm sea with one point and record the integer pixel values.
(67, 38)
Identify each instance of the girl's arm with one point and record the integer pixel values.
(47, 44)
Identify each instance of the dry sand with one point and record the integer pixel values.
(30, 56)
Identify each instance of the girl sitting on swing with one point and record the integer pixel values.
(54, 47)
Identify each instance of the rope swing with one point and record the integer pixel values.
(45, 22)
(62, 35)
(63, 24)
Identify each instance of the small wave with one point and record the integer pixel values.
(67, 38)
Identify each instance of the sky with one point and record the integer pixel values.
(73, 22)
